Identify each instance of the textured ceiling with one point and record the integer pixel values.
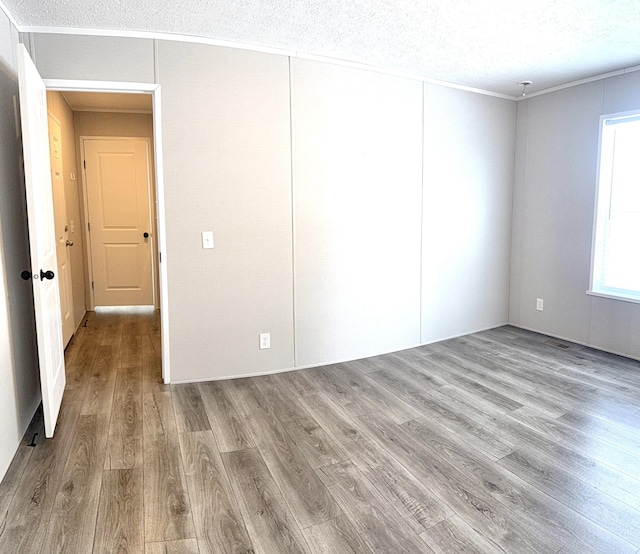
(490, 44)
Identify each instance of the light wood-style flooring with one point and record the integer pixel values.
(501, 441)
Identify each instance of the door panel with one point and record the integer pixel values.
(117, 178)
(122, 265)
(42, 240)
(61, 231)
(117, 189)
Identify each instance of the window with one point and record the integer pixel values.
(615, 261)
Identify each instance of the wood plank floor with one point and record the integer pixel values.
(501, 441)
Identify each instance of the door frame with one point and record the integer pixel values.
(64, 85)
(87, 235)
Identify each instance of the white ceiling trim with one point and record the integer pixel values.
(100, 86)
(256, 48)
(581, 82)
(296, 54)
(401, 74)
(8, 14)
(151, 35)
(302, 55)
(112, 110)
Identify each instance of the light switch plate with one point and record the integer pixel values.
(207, 239)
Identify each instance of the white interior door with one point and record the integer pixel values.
(118, 200)
(61, 227)
(42, 240)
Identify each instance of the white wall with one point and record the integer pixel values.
(19, 383)
(357, 171)
(94, 58)
(310, 175)
(555, 179)
(468, 182)
(227, 167)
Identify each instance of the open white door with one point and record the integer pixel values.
(42, 240)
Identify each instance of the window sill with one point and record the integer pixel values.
(632, 299)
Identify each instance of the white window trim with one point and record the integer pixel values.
(611, 293)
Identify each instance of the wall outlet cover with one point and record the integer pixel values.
(265, 341)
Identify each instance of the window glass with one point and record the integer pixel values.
(616, 248)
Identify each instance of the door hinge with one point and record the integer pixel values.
(89, 226)
(85, 164)
(92, 287)
(160, 257)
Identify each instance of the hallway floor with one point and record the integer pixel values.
(501, 441)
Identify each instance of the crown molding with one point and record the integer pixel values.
(148, 35)
(8, 14)
(580, 82)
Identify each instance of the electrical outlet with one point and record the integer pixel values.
(265, 341)
(539, 304)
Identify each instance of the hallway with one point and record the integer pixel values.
(113, 376)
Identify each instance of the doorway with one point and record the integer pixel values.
(118, 200)
(144, 283)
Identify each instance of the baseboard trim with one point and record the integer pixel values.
(340, 361)
(560, 337)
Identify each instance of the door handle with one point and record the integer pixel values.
(26, 275)
(69, 243)
(145, 235)
(46, 275)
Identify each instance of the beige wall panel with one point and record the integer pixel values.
(615, 326)
(6, 37)
(554, 210)
(468, 176)
(105, 124)
(94, 58)
(357, 181)
(621, 93)
(227, 165)
(555, 195)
